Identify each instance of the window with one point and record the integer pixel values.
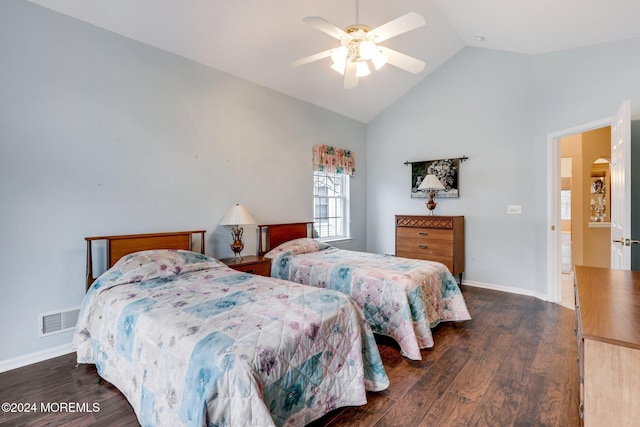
(330, 205)
(565, 204)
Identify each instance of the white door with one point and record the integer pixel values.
(621, 188)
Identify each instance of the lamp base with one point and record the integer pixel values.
(237, 246)
(431, 204)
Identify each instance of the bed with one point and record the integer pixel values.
(192, 342)
(402, 298)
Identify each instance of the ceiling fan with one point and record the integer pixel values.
(359, 45)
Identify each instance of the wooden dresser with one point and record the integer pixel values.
(434, 238)
(608, 333)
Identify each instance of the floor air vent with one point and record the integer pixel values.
(51, 323)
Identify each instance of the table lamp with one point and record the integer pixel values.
(236, 216)
(431, 184)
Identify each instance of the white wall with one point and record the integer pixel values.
(573, 88)
(479, 105)
(103, 135)
(497, 108)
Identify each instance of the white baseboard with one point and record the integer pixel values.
(508, 289)
(38, 356)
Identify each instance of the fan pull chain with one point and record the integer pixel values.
(357, 11)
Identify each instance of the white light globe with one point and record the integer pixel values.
(339, 67)
(367, 49)
(339, 55)
(362, 69)
(379, 59)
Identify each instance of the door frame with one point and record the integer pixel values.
(554, 228)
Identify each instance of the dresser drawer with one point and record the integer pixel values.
(446, 260)
(261, 269)
(424, 233)
(425, 246)
(250, 264)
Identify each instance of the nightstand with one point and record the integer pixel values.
(251, 264)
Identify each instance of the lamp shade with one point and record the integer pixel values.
(362, 69)
(237, 215)
(431, 182)
(379, 59)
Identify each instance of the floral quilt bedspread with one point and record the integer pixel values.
(401, 298)
(191, 342)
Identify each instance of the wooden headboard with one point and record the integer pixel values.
(271, 235)
(119, 246)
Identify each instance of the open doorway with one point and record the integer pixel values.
(585, 204)
(620, 190)
(554, 248)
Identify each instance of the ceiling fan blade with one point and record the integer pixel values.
(400, 60)
(350, 78)
(311, 58)
(400, 25)
(325, 26)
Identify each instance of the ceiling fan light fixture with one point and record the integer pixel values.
(367, 49)
(379, 59)
(339, 55)
(339, 67)
(360, 44)
(362, 69)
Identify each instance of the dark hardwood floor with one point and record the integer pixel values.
(514, 364)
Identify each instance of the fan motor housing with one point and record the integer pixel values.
(353, 28)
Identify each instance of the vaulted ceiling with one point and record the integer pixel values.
(257, 39)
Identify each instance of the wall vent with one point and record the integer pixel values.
(59, 321)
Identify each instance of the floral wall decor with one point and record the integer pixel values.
(445, 169)
(333, 159)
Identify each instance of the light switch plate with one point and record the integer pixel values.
(514, 209)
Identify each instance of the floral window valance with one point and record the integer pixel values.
(334, 160)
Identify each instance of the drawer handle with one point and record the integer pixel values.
(422, 246)
(423, 233)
